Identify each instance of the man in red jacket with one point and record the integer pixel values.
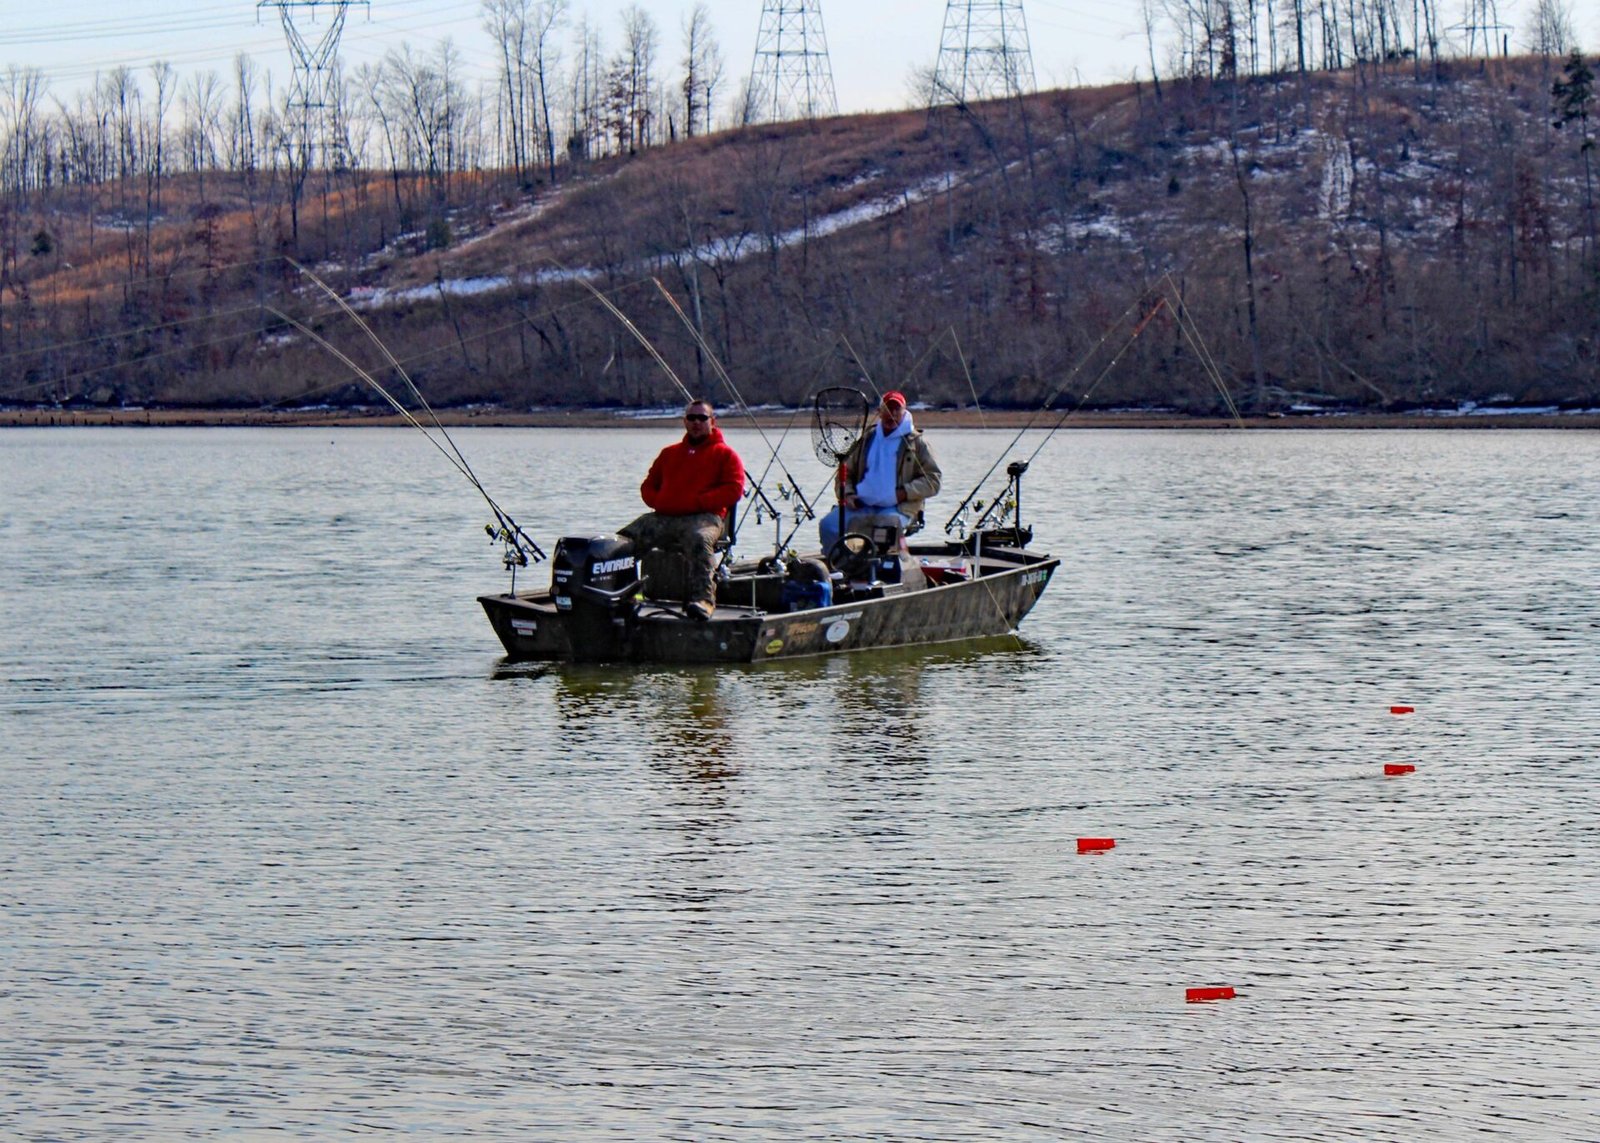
(691, 488)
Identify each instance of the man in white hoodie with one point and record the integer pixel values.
(888, 475)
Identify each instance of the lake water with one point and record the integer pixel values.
(288, 851)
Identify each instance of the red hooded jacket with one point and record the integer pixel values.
(686, 478)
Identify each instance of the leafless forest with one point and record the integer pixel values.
(1352, 218)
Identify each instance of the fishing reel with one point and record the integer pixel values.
(803, 509)
(1001, 516)
(1006, 506)
(513, 554)
(516, 549)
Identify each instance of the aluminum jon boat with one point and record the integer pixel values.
(604, 605)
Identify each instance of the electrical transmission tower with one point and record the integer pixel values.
(1482, 26)
(984, 52)
(312, 99)
(791, 77)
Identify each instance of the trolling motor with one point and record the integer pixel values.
(1015, 470)
(593, 582)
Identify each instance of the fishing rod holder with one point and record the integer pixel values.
(991, 526)
(516, 549)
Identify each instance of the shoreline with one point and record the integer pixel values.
(926, 418)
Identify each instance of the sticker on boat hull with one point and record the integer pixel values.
(837, 630)
(775, 646)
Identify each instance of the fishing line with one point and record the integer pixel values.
(967, 372)
(1191, 333)
(1161, 303)
(510, 531)
(866, 374)
(176, 351)
(744, 407)
(99, 339)
(1029, 424)
(639, 336)
(395, 364)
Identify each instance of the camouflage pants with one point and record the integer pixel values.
(681, 567)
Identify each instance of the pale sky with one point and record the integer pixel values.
(873, 44)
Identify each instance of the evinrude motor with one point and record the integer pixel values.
(593, 581)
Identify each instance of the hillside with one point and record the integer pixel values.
(1356, 240)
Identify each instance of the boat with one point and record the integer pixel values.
(874, 589)
(600, 606)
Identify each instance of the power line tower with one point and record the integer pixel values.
(1482, 26)
(791, 77)
(983, 53)
(312, 103)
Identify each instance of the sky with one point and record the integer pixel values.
(873, 45)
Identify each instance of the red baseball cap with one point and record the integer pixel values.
(896, 396)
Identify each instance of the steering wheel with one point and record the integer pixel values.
(855, 555)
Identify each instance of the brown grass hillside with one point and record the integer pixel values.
(1358, 241)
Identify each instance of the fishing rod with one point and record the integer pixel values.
(809, 509)
(757, 493)
(1185, 322)
(1009, 501)
(1059, 390)
(518, 548)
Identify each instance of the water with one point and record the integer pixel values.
(286, 850)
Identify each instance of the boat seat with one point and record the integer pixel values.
(668, 575)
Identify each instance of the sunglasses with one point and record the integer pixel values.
(697, 416)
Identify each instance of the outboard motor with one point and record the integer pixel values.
(593, 581)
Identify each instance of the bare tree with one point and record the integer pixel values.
(702, 70)
(1150, 17)
(119, 99)
(506, 21)
(1552, 33)
(201, 108)
(548, 16)
(22, 129)
(585, 127)
(630, 82)
(242, 126)
(155, 131)
(523, 35)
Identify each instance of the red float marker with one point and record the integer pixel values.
(1402, 710)
(1096, 844)
(1205, 995)
(1395, 769)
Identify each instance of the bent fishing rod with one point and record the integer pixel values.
(807, 507)
(1185, 322)
(519, 549)
(757, 492)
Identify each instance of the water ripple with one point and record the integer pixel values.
(287, 851)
